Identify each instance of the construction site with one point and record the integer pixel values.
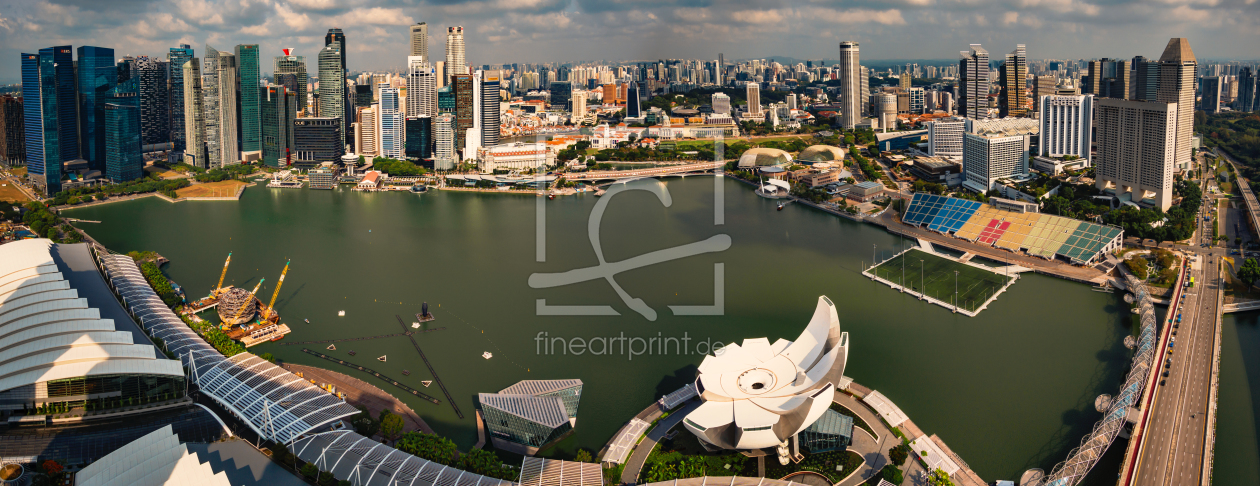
(242, 315)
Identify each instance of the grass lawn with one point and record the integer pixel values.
(18, 171)
(162, 172)
(974, 285)
(211, 189)
(9, 192)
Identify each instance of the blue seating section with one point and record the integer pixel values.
(939, 213)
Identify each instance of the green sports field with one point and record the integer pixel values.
(975, 286)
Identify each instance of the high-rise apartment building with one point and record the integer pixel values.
(851, 81)
(219, 98)
(1211, 87)
(176, 58)
(276, 123)
(1247, 90)
(945, 137)
(391, 123)
(12, 130)
(121, 125)
(97, 75)
(973, 83)
(297, 79)
(316, 140)
(421, 87)
(195, 149)
(904, 81)
(444, 157)
(1013, 79)
(332, 84)
(1176, 85)
(455, 62)
(917, 102)
(579, 106)
(1066, 125)
(155, 119)
(1045, 86)
(988, 157)
(420, 42)
(490, 107)
(50, 114)
(1136, 150)
(247, 84)
(754, 98)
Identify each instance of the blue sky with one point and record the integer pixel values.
(498, 31)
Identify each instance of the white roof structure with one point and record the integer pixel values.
(277, 404)
(47, 332)
(536, 471)
(886, 408)
(366, 462)
(155, 459)
(757, 395)
(932, 454)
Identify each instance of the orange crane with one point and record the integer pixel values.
(246, 304)
(270, 310)
(215, 292)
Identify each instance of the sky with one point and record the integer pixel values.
(505, 31)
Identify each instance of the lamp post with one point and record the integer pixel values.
(955, 290)
(923, 287)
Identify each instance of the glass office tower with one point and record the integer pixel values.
(420, 140)
(248, 77)
(50, 114)
(121, 110)
(97, 75)
(177, 57)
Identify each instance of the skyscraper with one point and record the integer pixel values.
(420, 41)
(332, 84)
(1176, 85)
(633, 109)
(721, 103)
(121, 110)
(1136, 149)
(155, 103)
(336, 35)
(365, 134)
(391, 123)
(50, 114)
(12, 130)
(489, 108)
(1013, 77)
(561, 91)
(419, 139)
(989, 156)
(850, 76)
(212, 109)
(1066, 125)
(455, 62)
(275, 124)
(444, 142)
(97, 75)
(465, 102)
(1145, 79)
(250, 126)
(1108, 78)
(1211, 86)
(754, 98)
(176, 58)
(195, 150)
(289, 64)
(421, 87)
(973, 83)
(1247, 90)
(229, 141)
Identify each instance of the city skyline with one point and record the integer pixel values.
(559, 31)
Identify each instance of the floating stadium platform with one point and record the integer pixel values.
(1042, 235)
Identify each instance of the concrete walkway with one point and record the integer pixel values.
(630, 475)
(874, 451)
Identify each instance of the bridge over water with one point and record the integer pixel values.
(613, 175)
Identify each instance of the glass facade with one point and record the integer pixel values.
(332, 84)
(97, 75)
(517, 429)
(155, 117)
(446, 99)
(420, 139)
(276, 124)
(248, 77)
(489, 108)
(50, 113)
(123, 159)
(113, 390)
(832, 432)
(290, 72)
(177, 57)
(315, 140)
(561, 91)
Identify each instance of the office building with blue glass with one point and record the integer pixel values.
(97, 76)
(531, 415)
(177, 57)
(50, 114)
(122, 121)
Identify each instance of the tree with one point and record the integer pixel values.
(891, 474)
(939, 478)
(1138, 266)
(898, 455)
(1249, 272)
(309, 470)
(391, 425)
(582, 455)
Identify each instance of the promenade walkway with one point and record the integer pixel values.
(361, 393)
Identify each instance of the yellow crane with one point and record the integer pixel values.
(215, 292)
(269, 310)
(247, 301)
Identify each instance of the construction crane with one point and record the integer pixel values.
(269, 310)
(250, 299)
(221, 275)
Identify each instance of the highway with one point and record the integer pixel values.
(1173, 438)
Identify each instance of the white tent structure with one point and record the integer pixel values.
(155, 459)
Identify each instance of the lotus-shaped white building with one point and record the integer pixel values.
(758, 395)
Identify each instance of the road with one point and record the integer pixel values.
(1173, 438)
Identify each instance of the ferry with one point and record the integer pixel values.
(308, 321)
(551, 196)
(780, 206)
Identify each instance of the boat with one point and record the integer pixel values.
(487, 355)
(551, 196)
(381, 359)
(332, 347)
(780, 206)
(341, 313)
(426, 383)
(308, 321)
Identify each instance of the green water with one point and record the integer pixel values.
(1008, 390)
(1238, 406)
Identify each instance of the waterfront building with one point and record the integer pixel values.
(421, 87)
(218, 91)
(1211, 87)
(97, 74)
(490, 107)
(248, 79)
(419, 139)
(12, 130)
(121, 125)
(366, 136)
(515, 156)
(1013, 80)
(1176, 85)
(531, 415)
(455, 63)
(945, 137)
(1066, 126)
(332, 83)
(50, 114)
(973, 83)
(390, 123)
(322, 177)
(195, 150)
(420, 42)
(745, 407)
(992, 155)
(1137, 143)
(176, 58)
(465, 106)
(277, 109)
(157, 457)
(721, 104)
(297, 79)
(832, 432)
(754, 98)
(73, 344)
(851, 82)
(444, 156)
(561, 92)
(315, 140)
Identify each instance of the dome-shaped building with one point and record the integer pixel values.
(763, 156)
(821, 153)
(237, 306)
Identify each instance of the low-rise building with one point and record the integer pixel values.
(815, 178)
(531, 415)
(864, 191)
(515, 156)
(323, 177)
(1053, 166)
(371, 180)
(938, 170)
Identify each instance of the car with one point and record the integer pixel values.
(1161, 382)
(1165, 374)
(1174, 333)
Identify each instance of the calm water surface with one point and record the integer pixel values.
(1008, 390)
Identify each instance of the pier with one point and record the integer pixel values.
(372, 372)
(431, 370)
